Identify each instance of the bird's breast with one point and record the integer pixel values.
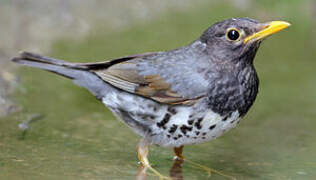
(233, 92)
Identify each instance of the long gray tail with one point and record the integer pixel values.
(79, 73)
(69, 70)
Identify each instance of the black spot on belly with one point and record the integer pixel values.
(185, 128)
(173, 129)
(164, 121)
(197, 132)
(190, 122)
(203, 137)
(203, 134)
(225, 118)
(179, 136)
(172, 110)
(198, 123)
(212, 127)
(231, 122)
(175, 138)
(168, 136)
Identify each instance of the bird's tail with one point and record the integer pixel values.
(79, 73)
(69, 70)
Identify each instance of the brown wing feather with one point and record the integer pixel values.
(124, 75)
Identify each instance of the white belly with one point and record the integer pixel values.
(201, 130)
(165, 125)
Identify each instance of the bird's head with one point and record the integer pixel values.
(238, 39)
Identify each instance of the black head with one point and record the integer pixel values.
(237, 39)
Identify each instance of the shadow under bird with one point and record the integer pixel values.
(188, 95)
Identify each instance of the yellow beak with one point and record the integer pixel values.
(267, 30)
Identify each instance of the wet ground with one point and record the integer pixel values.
(73, 136)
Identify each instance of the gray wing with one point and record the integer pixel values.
(175, 77)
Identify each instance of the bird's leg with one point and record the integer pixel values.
(142, 152)
(176, 169)
(141, 175)
(178, 152)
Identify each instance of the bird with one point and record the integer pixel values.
(188, 95)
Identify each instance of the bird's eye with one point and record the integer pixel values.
(233, 34)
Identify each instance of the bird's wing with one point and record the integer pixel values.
(157, 76)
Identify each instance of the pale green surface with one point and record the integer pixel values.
(79, 139)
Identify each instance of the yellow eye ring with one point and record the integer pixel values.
(233, 34)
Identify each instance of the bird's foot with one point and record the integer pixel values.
(142, 151)
(142, 172)
(179, 156)
(208, 170)
(156, 173)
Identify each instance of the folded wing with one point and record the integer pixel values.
(155, 77)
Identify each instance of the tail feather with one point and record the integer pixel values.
(32, 57)
(79, 73)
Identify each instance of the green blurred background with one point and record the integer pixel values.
(78, 138)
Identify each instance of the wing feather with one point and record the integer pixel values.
(126, 76)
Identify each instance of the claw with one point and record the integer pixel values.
(178, 152)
